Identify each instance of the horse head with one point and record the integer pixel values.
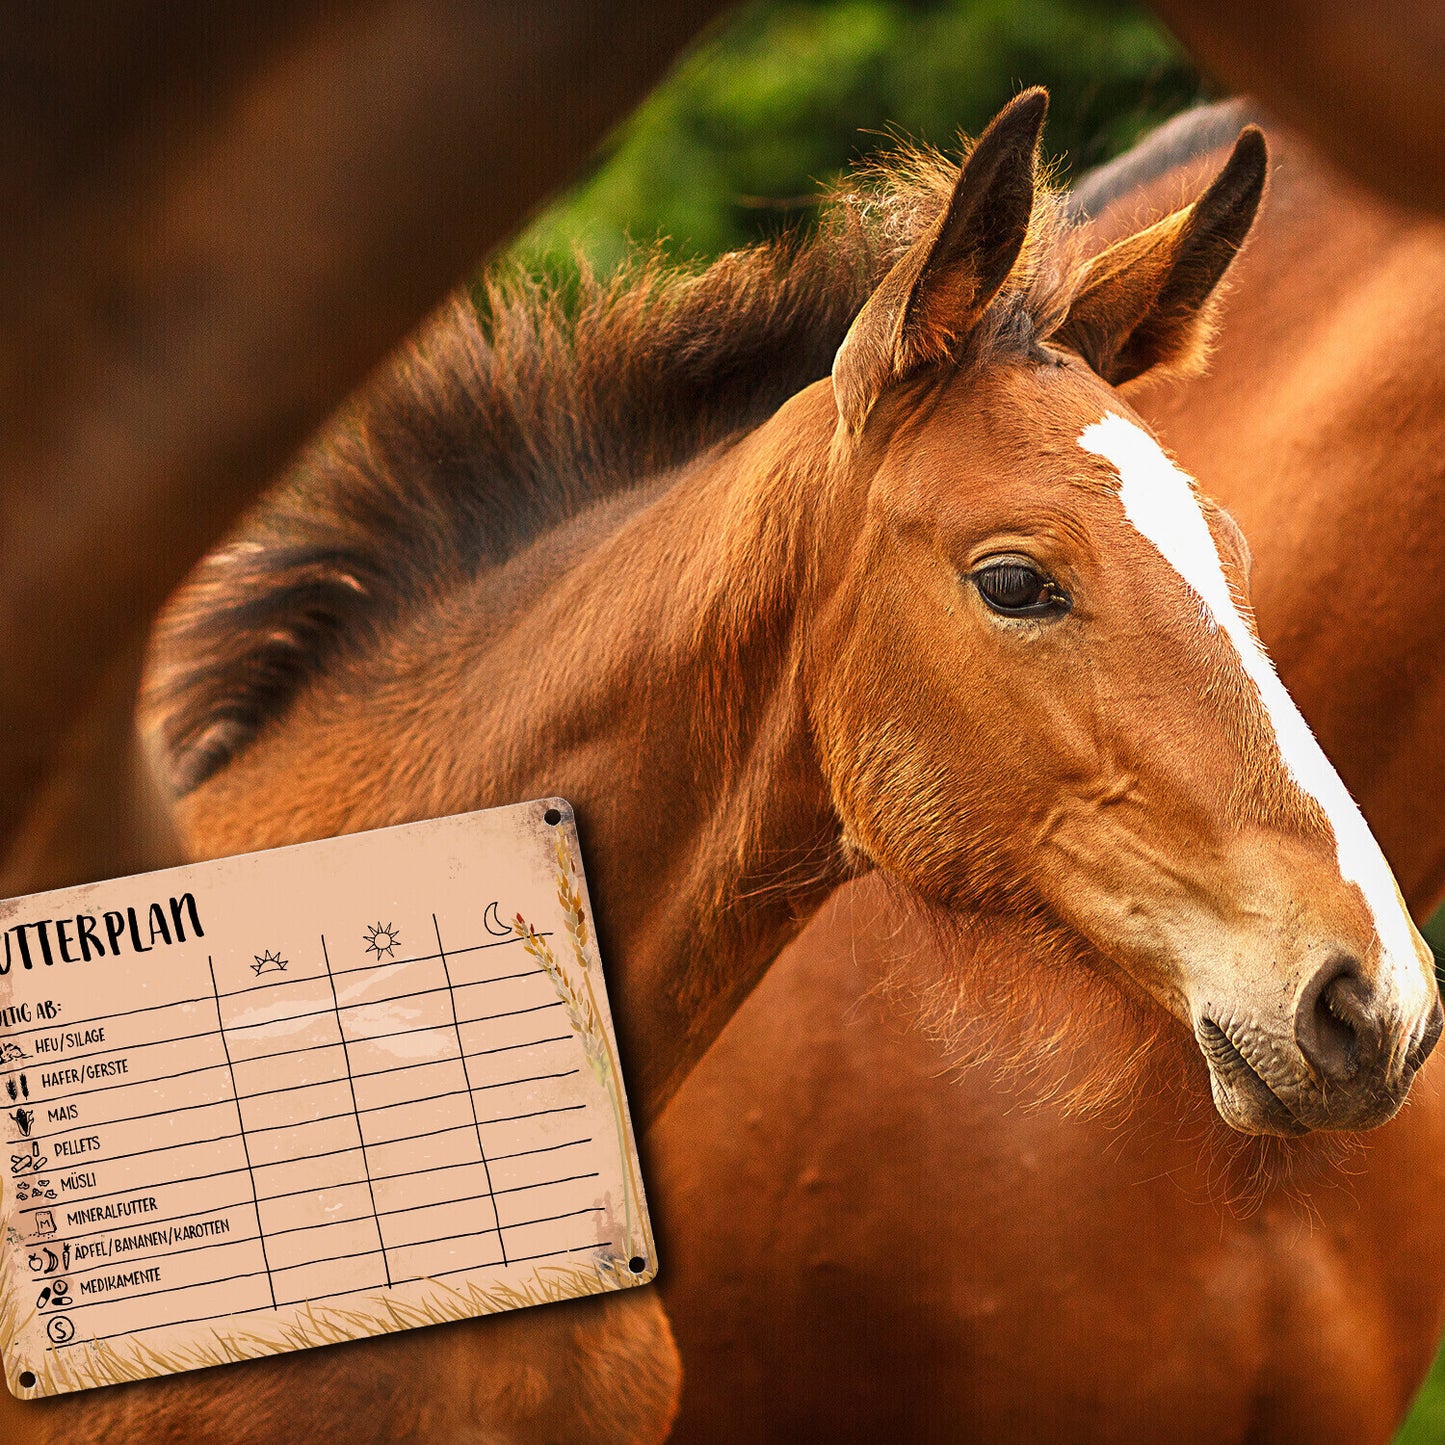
(1037, 688)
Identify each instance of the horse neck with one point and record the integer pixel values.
(653, 676)
(666, 701)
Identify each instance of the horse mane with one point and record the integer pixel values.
(516, 408)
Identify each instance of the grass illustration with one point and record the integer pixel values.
(585, 1015)
(114, 1361)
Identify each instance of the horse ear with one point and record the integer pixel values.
(942, 284)
(1145, 303)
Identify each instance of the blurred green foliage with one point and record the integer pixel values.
(1426, 1422)
(786, 93)
(1434, 931)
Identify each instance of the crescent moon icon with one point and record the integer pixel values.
(494, 924)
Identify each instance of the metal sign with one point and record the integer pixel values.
(307, 1095)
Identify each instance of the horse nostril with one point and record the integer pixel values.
(1335, 1027)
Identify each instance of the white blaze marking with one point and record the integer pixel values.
(1159, 501)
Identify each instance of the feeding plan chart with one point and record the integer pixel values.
(295, 1097)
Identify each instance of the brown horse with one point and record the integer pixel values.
(867, 1242)
(952, 614)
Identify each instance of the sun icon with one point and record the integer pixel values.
(268, 962)
(383, 939)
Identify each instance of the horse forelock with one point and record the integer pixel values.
(516, 409)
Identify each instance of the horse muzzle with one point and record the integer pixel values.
(1345, 1060)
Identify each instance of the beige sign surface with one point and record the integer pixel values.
(301, 1096)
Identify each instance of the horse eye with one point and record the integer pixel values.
(1018, 589)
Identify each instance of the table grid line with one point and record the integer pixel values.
(129, 1119)
(324, 1154)
(137, 1227)
(371, 967)
(471, 1092)
(598, 1244)
(271, 1270)
(274, 1234)
(241, 1123)
(72, 1024)
(368, 1002)
(304, 1049)
(296, 1123)
(360, 1134)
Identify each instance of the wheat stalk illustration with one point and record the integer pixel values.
(113, 1362)
(585, 1014)
(580, 1009)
